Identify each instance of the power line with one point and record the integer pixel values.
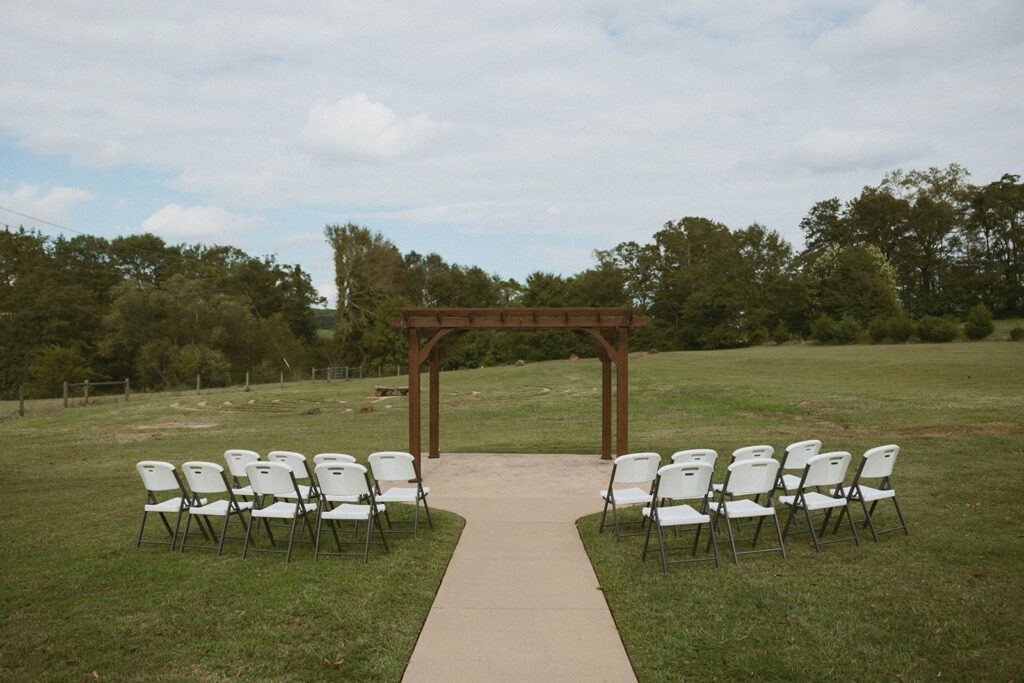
(38, 220)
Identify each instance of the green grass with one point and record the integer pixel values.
(77, 597)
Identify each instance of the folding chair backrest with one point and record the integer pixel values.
(827, 469)
(696, 455)
(321, 458)
(204, 477)
(685, 480)
(797, 454)
(751, 476)
(635, 468)
(879, 461)
(272, 479)
(752, 453)
(296, 461)
(342, 479)
(237, 459)
(158, 475)
(392, 466)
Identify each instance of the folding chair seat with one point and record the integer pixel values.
(684, 481)
(797, 455)
(632, 468)
(274, 480)
(237, 459)
(390, 466)
(159, 478)
(300, 468)
(877, 463)
(745, 481)
(209, 478)
(826, 470)
(346, 480)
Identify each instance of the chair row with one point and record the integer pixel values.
(754, 479)
(337, 490)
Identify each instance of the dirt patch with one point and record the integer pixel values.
(174, 426)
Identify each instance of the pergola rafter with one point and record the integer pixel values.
(432, 331)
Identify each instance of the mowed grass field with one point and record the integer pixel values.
(78, 598)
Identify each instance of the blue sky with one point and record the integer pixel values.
(518, 137)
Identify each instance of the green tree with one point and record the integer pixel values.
(853, 281)
(979, 322)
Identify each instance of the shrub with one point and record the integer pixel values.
(979, 322)
(933, 329)
(878, 329)
(1017, 333)
(821, 328)
(781, 333)
(900, 328)
(847, 330)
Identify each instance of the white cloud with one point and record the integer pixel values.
(209, 224)
(844, 150)
(358, 128)
(51, 205)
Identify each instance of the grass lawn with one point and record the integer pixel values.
(77, 597)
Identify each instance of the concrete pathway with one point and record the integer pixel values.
(519, 601)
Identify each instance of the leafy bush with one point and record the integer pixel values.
(933, 329)
(900, 328)
(1017, 333)
(821, 328)
(878, 329)
(979, 322)
(847, 330)
(781, 333)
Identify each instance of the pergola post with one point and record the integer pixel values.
(622, 392)
(435, 403)
(414, 394)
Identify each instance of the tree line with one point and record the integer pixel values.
(135, 307)
(909, 257)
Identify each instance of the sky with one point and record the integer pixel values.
(514, 136)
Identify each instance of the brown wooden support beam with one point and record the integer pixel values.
(435, 401)
(414, 395)
(622, 393)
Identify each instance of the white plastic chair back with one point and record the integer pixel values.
(879, 461)
(392, 466)
(827, 469)
(158, 475)
(296, 461)
(204, 477)
(752, 453)
(321, 458)
(271, 479)
(343, 479)
(751, 477)
(635, 468)
(237, 459)
(696, 455)
(797, 454)
(685, 480)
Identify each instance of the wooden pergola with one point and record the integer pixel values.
(432, 331)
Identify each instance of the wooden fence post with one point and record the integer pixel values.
(247, 380)
(197, 384)
(21, 400)
(65, 394)
(282, 379)
(126, 389)
(86, 392)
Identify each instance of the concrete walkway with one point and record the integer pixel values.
(520, 601)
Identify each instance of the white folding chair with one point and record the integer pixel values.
(208, 478)
(300, 468)
(877, 463)
(746, 480)
(795, 460)
(344, 481)
(681, 482)
(237, 459)
(632, 468)
(390, 466)
(321, 458)
(825, 470)
(276, 480)
(696, 455)
(159, 478)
